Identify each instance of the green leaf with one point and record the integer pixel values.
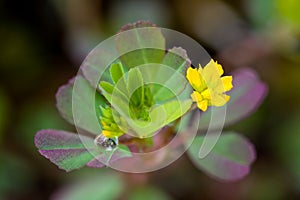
(68, 152)
(114, 95)
(140, 43)
(135, 87)
(66, 95)
(95, 63)
(82, 103)
(107, 87)
(167, 79)
(230, 158)
(116, 71)
(174, 110)
(177, 59)
(98, 185)
(148, 193)
(160, 115)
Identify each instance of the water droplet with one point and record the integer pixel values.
(108, 143)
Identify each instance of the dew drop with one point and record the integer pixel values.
(108, 143)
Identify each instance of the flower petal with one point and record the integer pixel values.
(196, 96)
(211, 75)
(215, 99)
(213, 64)
(202, 105)
(206, 94)
(219, 99)
(246, 95)
(227, 83)
(194, 78)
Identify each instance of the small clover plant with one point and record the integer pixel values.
(141, 101)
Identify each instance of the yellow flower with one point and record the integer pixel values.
(209, 86)
(111, 130)
(110, 127)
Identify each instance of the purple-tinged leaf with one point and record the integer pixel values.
(69, 151)
(138, 24)
(95, 163)
(109, 157)
(229, 160)
(140, 43)
(64, 149)
(247, 94)
(65, 96)
(64, 101)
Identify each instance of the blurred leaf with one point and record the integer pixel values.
(64, 149)
(140, 46)
(100, 185)
(21, 53)
(262, 12)
(16, 175)
(148, 193)
(122, 12)
(4, 112)
(247, 94)
(219, 30)
(36, 115)
(229, 160)
(65, 96)
(269, 181)
(289, 10)
(286, 143)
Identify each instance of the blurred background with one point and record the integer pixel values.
(43, 43)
